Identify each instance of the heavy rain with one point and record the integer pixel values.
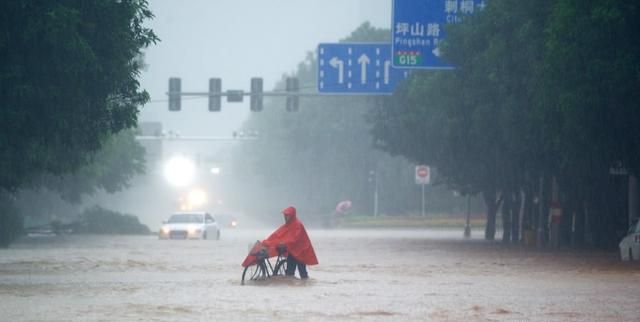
(367, 160)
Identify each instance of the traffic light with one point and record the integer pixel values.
(256, 94)
(174, 94)
(235, 95)
(215, 89)
(293, 101)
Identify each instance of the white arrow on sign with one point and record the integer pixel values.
(387, 68)
(339, 64)
(363, 61)
(436, 52)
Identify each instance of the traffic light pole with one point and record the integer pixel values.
(173, 136)
(192, 138)
(234, 93)
(291, 93)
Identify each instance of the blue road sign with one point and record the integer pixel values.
(352, 68)
(418, 27)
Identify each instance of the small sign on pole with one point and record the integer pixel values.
(423, 177)
(423, 174)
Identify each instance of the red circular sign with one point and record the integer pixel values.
(423, 172)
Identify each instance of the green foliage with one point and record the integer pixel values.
(10, 220)
(541, 89)
(367, 33)
(57, 197)
(68, 80)
(97, 220)
(593, 63)
(110, 169)
(592, 68)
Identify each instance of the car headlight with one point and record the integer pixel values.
(194, 230)
(165, 229)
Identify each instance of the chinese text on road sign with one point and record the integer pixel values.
(418, 27)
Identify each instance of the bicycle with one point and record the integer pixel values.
(257, 265)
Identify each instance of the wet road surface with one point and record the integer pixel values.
(364, 275)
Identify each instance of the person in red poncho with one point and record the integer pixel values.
(293, 235)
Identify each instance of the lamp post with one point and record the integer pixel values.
(373, 178)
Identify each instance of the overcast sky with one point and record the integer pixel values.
(236, 40)
(233, 40)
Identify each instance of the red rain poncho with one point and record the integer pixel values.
(295, 237)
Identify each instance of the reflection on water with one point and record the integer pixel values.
(403, 275)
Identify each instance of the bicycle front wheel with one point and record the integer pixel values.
(254, 272)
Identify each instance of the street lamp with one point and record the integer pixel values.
(179, 171)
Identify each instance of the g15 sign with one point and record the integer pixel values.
(418, 28)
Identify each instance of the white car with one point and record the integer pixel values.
(630, 244)
(190, 225)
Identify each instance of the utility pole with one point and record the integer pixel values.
(422, 212)
(373, 178)
(467, 226)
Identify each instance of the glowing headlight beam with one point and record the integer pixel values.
(179, 171)
(197, 198)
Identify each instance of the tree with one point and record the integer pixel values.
(475, 124)
(110, 169)
(68, 80)
(542, 92)
(591, 107)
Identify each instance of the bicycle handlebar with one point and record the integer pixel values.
(263, 252)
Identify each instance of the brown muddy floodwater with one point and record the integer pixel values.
(364, 275)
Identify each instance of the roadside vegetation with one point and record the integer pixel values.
(69, 98)
(537, 113)
(97, 220)
(433, 221)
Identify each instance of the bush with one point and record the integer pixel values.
(11, 221)
(97, 220)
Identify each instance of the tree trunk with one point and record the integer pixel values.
(507, 212)
(515, 217)
(528, 218)
(492, 208)
(577, 240)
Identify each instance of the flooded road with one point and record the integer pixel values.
(364, 275)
